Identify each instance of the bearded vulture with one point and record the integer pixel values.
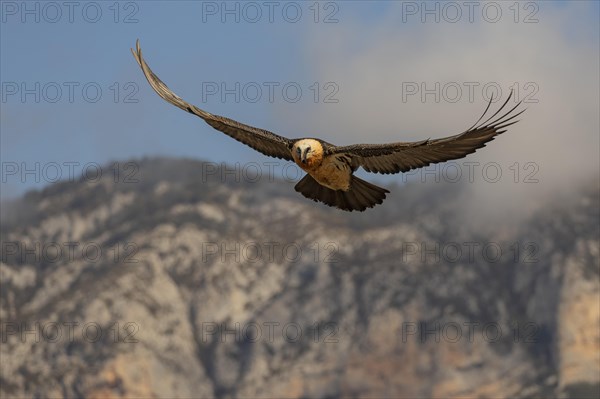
(330, 168)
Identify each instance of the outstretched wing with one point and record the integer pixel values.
(402, 157)
(261, 140)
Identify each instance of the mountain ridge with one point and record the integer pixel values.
(219, 276)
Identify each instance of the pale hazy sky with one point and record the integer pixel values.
(361, 68)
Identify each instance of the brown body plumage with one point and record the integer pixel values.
(330, 169)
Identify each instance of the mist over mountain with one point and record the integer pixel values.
(169, 285)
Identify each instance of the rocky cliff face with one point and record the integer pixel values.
(172, 287)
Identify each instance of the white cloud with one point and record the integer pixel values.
(371, 61)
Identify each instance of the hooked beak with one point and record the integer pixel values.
(303, 156)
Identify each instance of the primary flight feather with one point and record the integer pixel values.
(330, 168)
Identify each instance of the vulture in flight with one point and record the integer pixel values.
(330, 169)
